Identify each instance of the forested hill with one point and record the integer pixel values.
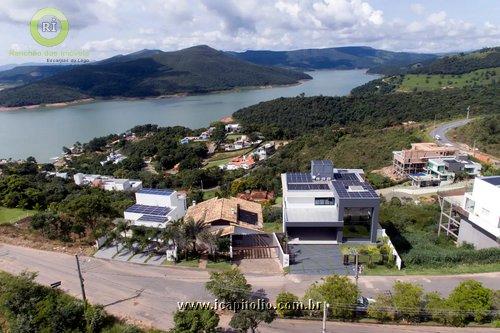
(349, 57)
(462, 63)
(292, 117)
(453, 64)
(197, 69)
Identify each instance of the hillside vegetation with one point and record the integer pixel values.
(483, 132)
(197, 69)
(418, 82)
(292, 117)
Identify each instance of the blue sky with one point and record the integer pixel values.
(109, 27)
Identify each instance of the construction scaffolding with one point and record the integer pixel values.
(451, 215)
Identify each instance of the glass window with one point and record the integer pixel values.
(324, 201)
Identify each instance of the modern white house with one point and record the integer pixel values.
(474, 217)
(329, 206)
(232, 128)
(156, 208)
(114, 158)
(107, 183)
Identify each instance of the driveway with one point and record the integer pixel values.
(317, 260)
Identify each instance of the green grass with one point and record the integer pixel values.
(421, 82)
(12, 215)
(216, 163)
(278, 201)
(273, 227)
(219, 265)
(209, 194)
(459, 269)
(233, 136)
(194, 263)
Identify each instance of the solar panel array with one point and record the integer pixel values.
(298, 177)
(148, 210)
(342, 186)
(153, 218)
(155, 191)
(492, 180)
(345, 176)
(308, 187)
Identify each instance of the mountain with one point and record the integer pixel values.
(198, 69)
(30, 73)
(333, 58)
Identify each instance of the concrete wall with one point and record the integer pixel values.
(469, 233)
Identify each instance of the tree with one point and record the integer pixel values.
(436, 308)
(192, 231)
(339, 292)
(229, 286)
(407, 299)
(469, 301)
(287, 305)
(249, 319)
(195, 321)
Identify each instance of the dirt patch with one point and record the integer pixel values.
(389, 172)
(21, 235)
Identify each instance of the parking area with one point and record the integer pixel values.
(317, 260)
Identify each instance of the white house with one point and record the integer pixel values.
(482, 227)
(156, 208)
(114, 158)
(232, 128)
(107, 183)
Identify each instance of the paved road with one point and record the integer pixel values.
(442, 129)
(149, 295)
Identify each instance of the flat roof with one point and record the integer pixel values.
(156, 191)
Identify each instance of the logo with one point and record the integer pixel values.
(49, 27)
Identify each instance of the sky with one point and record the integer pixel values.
(108, 27)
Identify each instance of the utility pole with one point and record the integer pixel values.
(357, 268)
(468, 110)
(81, 279)
(325, 309)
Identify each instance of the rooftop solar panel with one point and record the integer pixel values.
(344, 189)
(494, 180)
(155, 191)
(148, 210)
(307, 187)
(345, 176)
(298, 177)
(153, 218)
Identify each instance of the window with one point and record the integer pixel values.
(324, 201)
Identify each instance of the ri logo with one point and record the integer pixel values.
(49, 27)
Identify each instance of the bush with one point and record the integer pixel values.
(469, 301)
(339, 292)
(287, 305)
(382, 310)
(407, 299)
(195, 320)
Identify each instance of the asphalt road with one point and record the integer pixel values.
(442, 129)
(149, 295)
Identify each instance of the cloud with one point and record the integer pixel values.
(417, 8)
(110, 26)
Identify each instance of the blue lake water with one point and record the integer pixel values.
(43, 132)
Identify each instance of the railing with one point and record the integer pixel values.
(283, 257)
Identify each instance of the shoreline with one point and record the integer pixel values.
(122, 98)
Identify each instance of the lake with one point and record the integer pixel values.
(43, 132)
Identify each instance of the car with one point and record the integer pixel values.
(362, 304)
(437, 137)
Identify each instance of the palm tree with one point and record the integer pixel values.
(192, 231)
(173, 233)
(209, 239)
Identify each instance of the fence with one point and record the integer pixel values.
(381, 234)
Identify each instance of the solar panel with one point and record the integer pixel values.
(155, 191)
(298, 177)
(153, 218)
(148, 210)
(345, 176)
(342, 188)
(308, 187)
